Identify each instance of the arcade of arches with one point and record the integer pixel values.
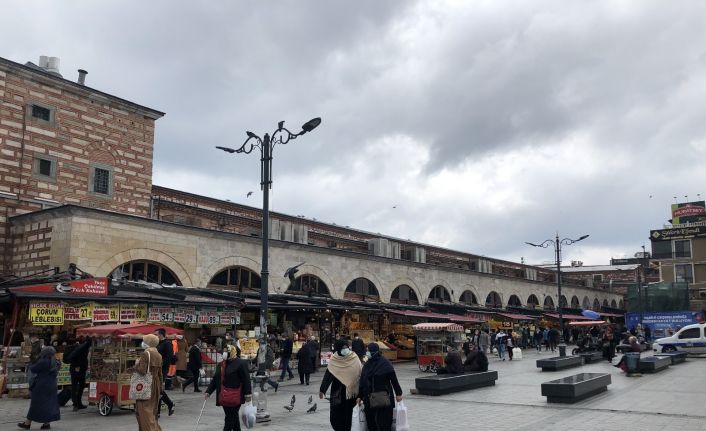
(146, 270)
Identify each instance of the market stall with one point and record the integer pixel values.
(112, 361)
(432, 339)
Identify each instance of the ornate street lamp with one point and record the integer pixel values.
(557, 243)
(266, 144)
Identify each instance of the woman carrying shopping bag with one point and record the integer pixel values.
(147, 410)
(232, 385)
(343, 375)
(377, 383)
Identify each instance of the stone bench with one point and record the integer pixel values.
(575, 388)
(677, 357)
(590, 357)
(559, 363)
(654, 364)
(447, 383)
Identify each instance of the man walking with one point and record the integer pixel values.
(484, 341)
(358, 346)
(265, 360)
(500, 342)
(165, 349)
(286, 355)
(194, 366)
(78, 361)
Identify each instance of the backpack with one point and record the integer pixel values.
(68, 354)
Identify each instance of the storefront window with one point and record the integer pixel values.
(145, 270)
(237, 278)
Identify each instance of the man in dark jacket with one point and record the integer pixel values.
(358, 346)
(165, 349)
(314, 350)
(453, 362)
(285, 356)
(194, 366)
(78, 361)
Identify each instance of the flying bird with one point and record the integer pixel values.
(294, 398)
(312, 409)
(289, 408)
(311, 399)
(394, 206)
(248, 195)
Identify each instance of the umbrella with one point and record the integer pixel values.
(591, 314)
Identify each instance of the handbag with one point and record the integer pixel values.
(230, 397)
(379, 399)
(141, 384)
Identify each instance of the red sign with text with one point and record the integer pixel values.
(87, 287)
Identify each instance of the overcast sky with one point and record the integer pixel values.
(486, 123)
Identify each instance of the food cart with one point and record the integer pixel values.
(113, 356)
(432, 339)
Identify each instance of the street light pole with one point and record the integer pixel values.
(280, 136)
(557, 243)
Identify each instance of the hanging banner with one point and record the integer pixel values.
(185, 315)
(133, 312)
(161, 314)
(106, 313)
(208, 316)
(86, 287)
(78, 312)
(46, 313)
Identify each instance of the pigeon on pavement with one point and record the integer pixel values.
(312, 409)
(311, 399)
(294, 398)
(289, 408)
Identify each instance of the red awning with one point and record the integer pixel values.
(514, 316)
(132, 330)
(429, 315)
(568, 316)
(438, 326)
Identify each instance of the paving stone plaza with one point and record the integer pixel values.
(668, 400)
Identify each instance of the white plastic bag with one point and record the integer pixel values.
(358, 420)
(248, 414)
(516, 353)
(202, 373)
(401, 417)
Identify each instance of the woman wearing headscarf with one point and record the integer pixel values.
(147, 411)
(379, 378)
(234, 374)
(44, 402)
(343, 375)
(304, 365)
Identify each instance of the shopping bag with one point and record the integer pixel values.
(517, 353)
(141, 384)
(248, 414)
(358, 420)
(401, 417)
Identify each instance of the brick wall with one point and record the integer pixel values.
(31, 246)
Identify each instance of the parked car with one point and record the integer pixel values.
(690, 338)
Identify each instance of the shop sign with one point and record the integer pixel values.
(325, 357)
(684, 232)
(133, 312)
(87, 287)
(185, 315)
(209, 316)
(161, 314)
(46, 313)
(78, 312)
(106, 313)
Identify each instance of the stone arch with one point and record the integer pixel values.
(468, 297)
(146, 254)
(621, 304)
(399, 281)
(548, 303)
(596, 304)
(362, 288)
(586, 304)
(148, 271)
(439, 293)
(236, 277)
(613, 304)
(404, 294)
(384, 291)
(514, 301)
(605, 303)
(562, 302)
(309, 284)
(226, 262)
(532, 301)
(101, 152)
(494, 300)
(310, 270)
(575, 302)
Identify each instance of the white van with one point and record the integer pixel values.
(690, 338)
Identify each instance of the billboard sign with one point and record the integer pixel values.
(85, 287)
(663, 323)
(688, 212)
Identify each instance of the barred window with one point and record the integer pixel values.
(101, 181)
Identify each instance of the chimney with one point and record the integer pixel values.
(50, 64)
(82, 76)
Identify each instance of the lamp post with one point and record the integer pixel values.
(557, 243)
(266, 144)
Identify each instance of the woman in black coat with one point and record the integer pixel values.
(342, 376)
(44, 402)
(304, 366)
(236, 375)
(378, 376)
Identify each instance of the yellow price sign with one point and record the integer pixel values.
(78, 312)
(106, 312)
(133, 312)
(46, 313)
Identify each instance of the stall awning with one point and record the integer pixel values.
(429, 315)
(514, 316)
(438, 326)
(568, 316)
(134, 330)
(589, 323)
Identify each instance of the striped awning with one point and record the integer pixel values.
(438, 326)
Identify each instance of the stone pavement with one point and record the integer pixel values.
(671, 399)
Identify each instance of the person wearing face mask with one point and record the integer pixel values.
(343, 376)
(379, 378)
(231, 374)
(147, 411)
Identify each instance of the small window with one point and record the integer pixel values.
(682, 248)
(684, 273)
(690, 333)
(41, 112)
(597, 278)
(101, 181)
(44, 167)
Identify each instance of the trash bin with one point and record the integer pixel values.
(632, 360)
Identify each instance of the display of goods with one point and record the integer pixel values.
(382, 345)
(248, 348)
(404, 343)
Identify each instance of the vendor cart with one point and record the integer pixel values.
(432, 339)
(112, 362)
